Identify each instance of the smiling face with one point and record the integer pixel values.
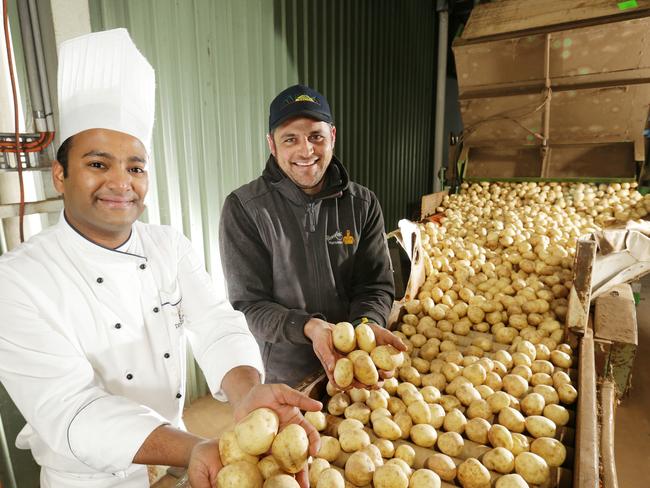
(105, 186)
(303, 148)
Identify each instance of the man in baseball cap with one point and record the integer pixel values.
(303, 247)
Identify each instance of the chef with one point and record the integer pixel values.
(96, 311)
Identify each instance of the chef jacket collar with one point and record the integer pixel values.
(88, 246)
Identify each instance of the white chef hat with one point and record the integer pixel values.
(104, 82)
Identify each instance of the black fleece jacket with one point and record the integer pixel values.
(288, 256)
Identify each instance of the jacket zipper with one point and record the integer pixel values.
(311, 225)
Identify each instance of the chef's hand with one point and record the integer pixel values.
(320, 334)
(204, 464)
(386, 337)
(287, 403)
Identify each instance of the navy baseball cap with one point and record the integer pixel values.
(298, 100)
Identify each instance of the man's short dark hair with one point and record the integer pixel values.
(62, 155)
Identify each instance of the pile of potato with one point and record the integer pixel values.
(254, 436)
(485, 388)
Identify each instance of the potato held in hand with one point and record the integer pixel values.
(240, 475)
(365, 371)
(386, 357)
(365, 338)
(344, 372)
(343, 337)
(255, 433)
(291, 448)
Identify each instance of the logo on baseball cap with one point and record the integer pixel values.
(296, 101)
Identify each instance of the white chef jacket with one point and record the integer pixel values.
(92, 346)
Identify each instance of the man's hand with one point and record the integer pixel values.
(204, 464)
(386, 337)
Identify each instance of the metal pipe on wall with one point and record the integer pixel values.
(35, 94)
(40, 61)
(442, 8)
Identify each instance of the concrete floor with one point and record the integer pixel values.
(633, 415)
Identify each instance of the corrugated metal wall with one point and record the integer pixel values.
(220, 62)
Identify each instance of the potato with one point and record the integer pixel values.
(386, 357)
(386, 448)
(437, 380)
(538, 426)
(451, 443)
(386, 428)
(331, 478)
(348, 425)
(567, 393)
(338, 403)
(515, 385)
(438, 415)
(396, 405)
(329, 448)
(359, 469)
(498, 401)
(430, 394)
(548, 392)
(256, 431)
(532, 468)
(424, 478)
(406, 453)
(455, 421)
(519, 443)
(449, 402)
(477, 429)
(389, 476)
(343, 372)
(405, 423)
(344, 337)
(475, 373)
(561, 359)
(419, 412)
(377, 399)
(524, 371)
(424, 435)
(456, 383)
(499, 436)
(374, 453)
(268, 466)
(410, 375)
(466, 393)
(331, 389)
(442, 465)
(560, 378)
(354, 440)
(479, 408)
(472, 474)
(500, 460)
(365, 370)
(359, 411)
(511, 419)
(365, 337)
(552, 450)
(533, 404)
(317, 466)
(230, 452)
(291, 448)
(378, 413)
(412, 396)
(390, 385)
(511, 481)
(283, 481)
(557, 413)
(317, 419)
(238, 475)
